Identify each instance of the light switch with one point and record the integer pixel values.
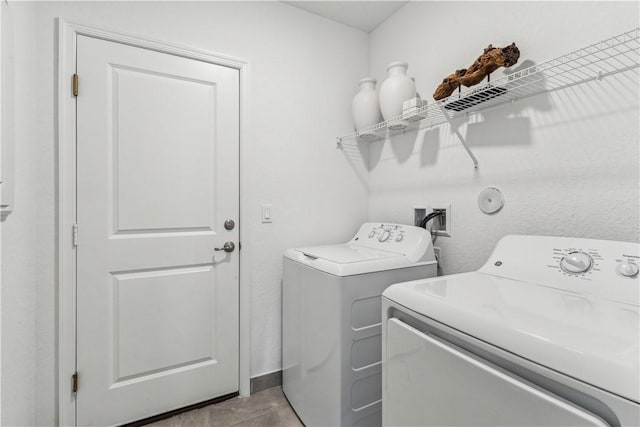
(267, 213)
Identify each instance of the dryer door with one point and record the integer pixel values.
(430, 382)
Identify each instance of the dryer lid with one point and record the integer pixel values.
(581, 335)
(346, 253)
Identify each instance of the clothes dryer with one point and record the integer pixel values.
(546, 333)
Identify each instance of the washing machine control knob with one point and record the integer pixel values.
(399, 237)
(576, 262)
(373, 233)
(627, 269)
(384, 236)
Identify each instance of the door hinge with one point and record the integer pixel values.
(74, 382)
(75, 234)
(75, 85)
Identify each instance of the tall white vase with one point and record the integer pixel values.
(396, 89)
(365, 107)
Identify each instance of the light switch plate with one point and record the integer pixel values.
(267, 213)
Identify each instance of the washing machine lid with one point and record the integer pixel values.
(349, 260)
(584, 336)
(346, 253)
(375, 247)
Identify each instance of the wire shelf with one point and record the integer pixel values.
(614, 55)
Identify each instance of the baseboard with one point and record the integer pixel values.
(263, 382)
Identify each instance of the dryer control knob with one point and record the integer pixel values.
(400, 237)
(576, 262)
(627, 269)
(373, 233)
(384, 236)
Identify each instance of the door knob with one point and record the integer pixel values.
(227, 247)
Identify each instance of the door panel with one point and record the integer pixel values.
(430, 382)
(160, 193)
(158, 174)
(152, 310)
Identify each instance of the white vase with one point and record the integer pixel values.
(396, 89)
(365, 107)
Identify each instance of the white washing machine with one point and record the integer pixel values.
(546, 333)
(332, 320)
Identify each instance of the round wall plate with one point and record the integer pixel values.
(490, 200)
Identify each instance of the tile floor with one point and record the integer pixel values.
(267, 408)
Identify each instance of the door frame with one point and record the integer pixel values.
(66, 203)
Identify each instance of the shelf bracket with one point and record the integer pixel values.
(466, 147)
(461, 139)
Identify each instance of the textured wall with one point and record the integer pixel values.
(567, 162)
(19, 248)
(303, 72)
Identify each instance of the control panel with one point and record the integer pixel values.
(606, 268)
(387, 232)
(414, 242)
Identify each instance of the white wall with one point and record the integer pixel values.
(19, 244)
(6, 123)
(304, 72)
(1, 157)
(567, 162)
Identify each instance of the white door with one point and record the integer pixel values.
(157, 176)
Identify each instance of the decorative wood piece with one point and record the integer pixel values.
(449, 84)
(492, 59)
